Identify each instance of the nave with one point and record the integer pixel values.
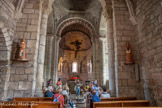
(117, 43)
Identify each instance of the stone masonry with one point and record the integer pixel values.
(136, 21)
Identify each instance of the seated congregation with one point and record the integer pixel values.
(59, 96)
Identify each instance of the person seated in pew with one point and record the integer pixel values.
(64, 92)
(48, 92)
(97, 89)
(59, 97)
(105, 94)
(95, 98)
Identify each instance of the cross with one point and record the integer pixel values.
(77, 45)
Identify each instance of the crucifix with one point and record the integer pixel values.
(77, 45)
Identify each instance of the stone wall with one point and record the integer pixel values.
(126, 84)
(7, 27)
(149, 45)
(23, 74)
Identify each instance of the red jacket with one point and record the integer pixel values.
(60, 99)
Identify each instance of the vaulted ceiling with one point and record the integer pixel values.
(90, 10)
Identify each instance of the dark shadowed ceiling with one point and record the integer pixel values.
(78, 5)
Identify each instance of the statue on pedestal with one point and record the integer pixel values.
(21, 53)
(128, 52)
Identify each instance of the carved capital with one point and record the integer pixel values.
(107, 8)
(18, 10)
(46, 6)
(131, 12)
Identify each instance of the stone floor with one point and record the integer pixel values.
(79, 102)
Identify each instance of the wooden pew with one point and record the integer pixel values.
(107, 104)
(19, 104)
(45, 99)
(33, 99)
(135, 103)
(26, 99)
(15, 104)
(117, 99)
(46, 105)
(130, 107)
(123, 98)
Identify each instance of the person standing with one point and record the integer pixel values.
(49, 82)
(59, 83)
(78, 85)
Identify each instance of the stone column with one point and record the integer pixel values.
(105, 75)
(48, 58)
(46, 7)
(97, 59)
(41, 56)
(94, 60)
(111, 59)
(54, 68)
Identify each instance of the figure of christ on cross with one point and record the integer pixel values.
(77, 45)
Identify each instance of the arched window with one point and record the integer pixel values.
(74, 67)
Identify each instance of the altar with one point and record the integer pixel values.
(72, 86)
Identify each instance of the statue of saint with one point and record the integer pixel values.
(128, 52)
(21, 54)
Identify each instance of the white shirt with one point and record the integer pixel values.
(105, 95)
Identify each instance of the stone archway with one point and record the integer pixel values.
(81, 25)
(5, 48)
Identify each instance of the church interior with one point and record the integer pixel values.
(118, 43)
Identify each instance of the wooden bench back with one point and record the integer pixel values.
(118, 98)
(19, 104)
(107, 104)
(15, 104)
(34, 99)
(27, 99)
(136, 103)
(46, 105)
(45, 99)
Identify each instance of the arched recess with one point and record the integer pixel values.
(76, 24)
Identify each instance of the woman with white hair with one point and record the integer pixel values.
(48, 92)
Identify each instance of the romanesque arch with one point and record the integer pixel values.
(86, 26)
(78, 24)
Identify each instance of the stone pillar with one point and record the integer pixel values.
(41, 56)
(96, 59)
(48, 58)
(111, 59)
(54, 70)
(105, 73)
